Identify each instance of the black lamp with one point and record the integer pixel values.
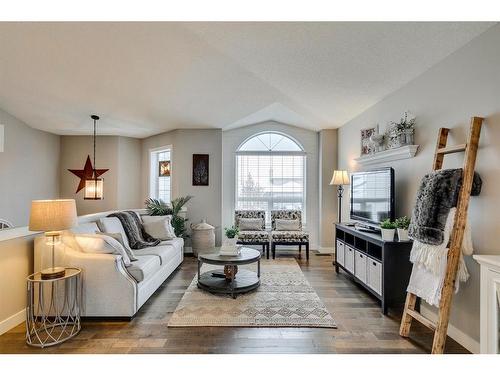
(340, 178)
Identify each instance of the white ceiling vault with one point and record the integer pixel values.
(147, 78)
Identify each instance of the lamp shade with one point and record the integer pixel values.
(94, 189)
(340, 178)
(52, 215)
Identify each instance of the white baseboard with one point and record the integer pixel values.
(325, 250)
(12, 321)
(462, 338)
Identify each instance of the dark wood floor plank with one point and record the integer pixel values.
(361, 326)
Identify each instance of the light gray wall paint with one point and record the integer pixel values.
(207, 201)
(29, 169)
(327, 193)
(121, 155)
(465, 84)
(129, 173)
(307, 138)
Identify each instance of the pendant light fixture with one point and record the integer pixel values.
(94, 186)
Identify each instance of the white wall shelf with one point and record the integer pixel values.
(404, 152)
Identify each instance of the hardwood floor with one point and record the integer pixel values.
(361, 326)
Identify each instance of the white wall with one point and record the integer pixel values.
(465, 84)
(207, 201)
(29, 169)
(327, 193)
(308, 139)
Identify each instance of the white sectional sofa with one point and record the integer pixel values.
(109, 288)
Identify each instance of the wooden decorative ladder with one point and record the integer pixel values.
(441, 326)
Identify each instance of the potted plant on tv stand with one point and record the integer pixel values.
(402, 224)
(388, 229)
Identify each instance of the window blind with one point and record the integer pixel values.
(270, 181)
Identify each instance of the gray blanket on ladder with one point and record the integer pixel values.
(136, 235)
(437, 194)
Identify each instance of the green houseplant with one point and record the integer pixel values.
(229, 245)
(402, 224)
(388, 229)
(232, 232)
(157, 207)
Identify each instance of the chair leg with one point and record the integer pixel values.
(307, 250)
(267, 253)
(263, 249)
(273, 246)
(300, 251)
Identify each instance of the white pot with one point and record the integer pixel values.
(403, 234)
(230, 242)
(388, 234)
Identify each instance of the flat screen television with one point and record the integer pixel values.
(372, 195)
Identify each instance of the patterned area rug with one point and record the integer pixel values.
(284, 299)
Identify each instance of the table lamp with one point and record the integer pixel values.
(340, 178)
(51, 217)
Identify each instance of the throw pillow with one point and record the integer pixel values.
(250, 224)
(287, 224)
(159, 227)
(102, 244)
(119, 238)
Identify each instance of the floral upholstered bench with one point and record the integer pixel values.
(252, 227)
(287, 230)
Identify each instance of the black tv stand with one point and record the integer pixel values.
(366, 227)
(383, 268)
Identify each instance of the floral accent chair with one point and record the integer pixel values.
(252, 226)
(287, 230)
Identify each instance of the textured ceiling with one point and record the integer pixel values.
(147, 78)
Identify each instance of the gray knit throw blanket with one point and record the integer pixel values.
(136, 235)
(437, 194)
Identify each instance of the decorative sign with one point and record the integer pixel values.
(164, 168)
(366, 144)
(86, 173)
(200, 169)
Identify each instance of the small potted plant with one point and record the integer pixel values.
(388, 230)
(402, 224)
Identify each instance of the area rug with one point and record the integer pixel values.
(284, 299)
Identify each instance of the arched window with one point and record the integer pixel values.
(270, 174)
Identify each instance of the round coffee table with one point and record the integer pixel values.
(229, 280)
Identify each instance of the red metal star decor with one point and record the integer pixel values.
(86, 173)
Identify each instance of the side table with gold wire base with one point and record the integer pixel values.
(53, 311)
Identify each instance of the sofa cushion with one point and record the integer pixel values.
(253, 236)
(158, 226)
(145, 267)
(87, 228)
(113, 225)
(164, 252)
(287, 224)
(177, 243)
(246, 224)
(101, 244)
(289, 236)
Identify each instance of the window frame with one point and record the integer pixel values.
(276, 153)
(153, 168)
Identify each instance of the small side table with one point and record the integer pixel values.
(53, 311)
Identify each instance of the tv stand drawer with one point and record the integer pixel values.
(349, 259)
(360, 266)
(374, 275)
(340, 253)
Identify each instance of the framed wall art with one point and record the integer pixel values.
(200, 170)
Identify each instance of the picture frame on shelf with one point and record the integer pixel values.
(367, 146)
